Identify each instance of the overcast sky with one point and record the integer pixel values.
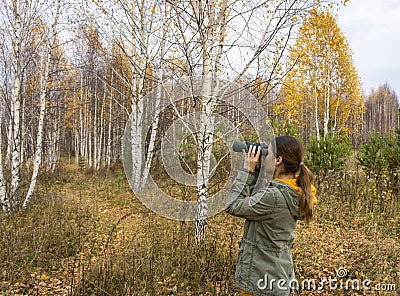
(372, 28)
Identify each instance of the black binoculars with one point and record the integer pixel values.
(239, 146)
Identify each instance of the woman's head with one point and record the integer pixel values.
(289, 153)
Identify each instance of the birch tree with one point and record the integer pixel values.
(211, 39)
(43, 96)
(5, 202)
(144, 54)
(17, 32)
(231, 39)
(16, 86)
(139, 33)
(323, 87)
(25, 44)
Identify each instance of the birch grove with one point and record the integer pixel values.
(148, 41)
(30, 51)
(44, 79)
(382, 110)
(145, 57)
(323, 80)
(18, 35)
(69, 92)
(224, 39)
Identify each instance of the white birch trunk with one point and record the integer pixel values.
(138, 112)
(16, 152)
(9, 146)
(153, 134)
(157, 104)
(316, 118)
(335, 126)
(115, 148)
(43, 94)
(137, 133)
(89, 146)
(100, 149)
(136, 145)
(205, 141)
(212, 50)
(39, 141)
(87, 130)
(56, 143)
(5, 203)
(52, 153)
(16, 73)
(327, 113)
(23, 131)
(109, 139)
(95, 132)
(76, 133)
(81, 124)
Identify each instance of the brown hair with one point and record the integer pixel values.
(292, 152)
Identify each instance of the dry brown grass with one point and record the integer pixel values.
(86, 234)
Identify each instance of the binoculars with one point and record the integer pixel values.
(239, 146)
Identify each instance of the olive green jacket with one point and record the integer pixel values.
(264, 265)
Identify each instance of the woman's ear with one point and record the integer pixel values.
(278, 160)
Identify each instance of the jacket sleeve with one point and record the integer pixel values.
(242, 203)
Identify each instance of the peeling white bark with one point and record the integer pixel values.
(16, 73)
(5, 203)
(43, 94)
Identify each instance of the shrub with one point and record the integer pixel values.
(379, 158)
(330, 153)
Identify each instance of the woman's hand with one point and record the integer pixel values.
(251, 158)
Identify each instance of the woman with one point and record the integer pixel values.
(264, 265)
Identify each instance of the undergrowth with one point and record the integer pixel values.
(86, 234)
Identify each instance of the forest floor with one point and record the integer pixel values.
(86, 234)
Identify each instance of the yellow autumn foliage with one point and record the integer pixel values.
(322, 92)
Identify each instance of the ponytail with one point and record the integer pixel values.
(304, 181)
(292, 153)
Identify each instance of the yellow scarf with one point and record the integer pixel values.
(292, 183)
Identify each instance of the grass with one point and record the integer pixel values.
(86, 234)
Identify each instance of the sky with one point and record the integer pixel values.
(372, 28)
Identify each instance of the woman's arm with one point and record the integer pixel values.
(252, 207)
